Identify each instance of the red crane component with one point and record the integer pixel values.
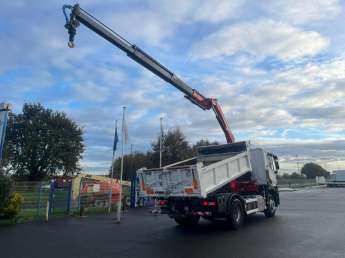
(79, 15)
(230, 138)
(211, 103)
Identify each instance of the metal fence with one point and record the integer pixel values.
(296, 183)
(45, 199)
(90, 195)
(95, 196)
(36, 195)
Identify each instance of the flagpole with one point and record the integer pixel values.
(160, 142)
(112, 169)
(118, 215)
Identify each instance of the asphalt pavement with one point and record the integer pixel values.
(309, 223)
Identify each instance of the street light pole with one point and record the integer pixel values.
(160, 141)
(4, 109)
(297, 164)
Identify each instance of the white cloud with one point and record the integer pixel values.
(159, 21)
(216, 10)
(303, 97)
(312, 73)
(91, 92)
(297, 11)
(262, 38)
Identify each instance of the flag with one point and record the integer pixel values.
(116, 139)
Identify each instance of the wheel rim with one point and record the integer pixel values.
(236, 214)
(272, 205)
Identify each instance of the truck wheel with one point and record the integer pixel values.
(271, 207)
(188, 221)
(236, 214)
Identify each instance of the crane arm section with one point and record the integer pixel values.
(78, 15)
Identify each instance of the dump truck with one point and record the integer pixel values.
(227, 181)
(224, 182)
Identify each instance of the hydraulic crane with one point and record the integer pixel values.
(78, 15)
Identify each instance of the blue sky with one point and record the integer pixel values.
(278, 70)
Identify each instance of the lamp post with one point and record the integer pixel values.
(4, 109)
(160, 141)
(297, 162)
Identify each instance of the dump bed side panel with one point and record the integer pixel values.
(216, 175)
(177, 181)
(193, 180)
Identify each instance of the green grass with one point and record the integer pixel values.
(7, 222)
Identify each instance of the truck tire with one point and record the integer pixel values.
(235, 217)
(188, 221)
(270, 211)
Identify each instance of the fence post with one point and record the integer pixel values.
(47, 210)
(69, 196)
(110, 196)
(133, 192)
(39, 199)
(51, 197)
(79, 195)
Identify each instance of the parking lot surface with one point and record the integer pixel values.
(309, 223)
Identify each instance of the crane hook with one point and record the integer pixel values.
(71, 24)
(71, 44)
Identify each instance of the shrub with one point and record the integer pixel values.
(13, 205)
(5, 188)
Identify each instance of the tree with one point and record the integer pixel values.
(131, 163)
(5, 189)
(294, 175)
(201, 143)
(312, 170)
(42, 143)
(175, 148)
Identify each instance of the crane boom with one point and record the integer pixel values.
(78, 15)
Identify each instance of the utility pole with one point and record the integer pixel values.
(297, 164)
(4, 110)
(160, 141)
